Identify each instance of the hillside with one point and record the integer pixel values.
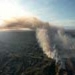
(20, 54)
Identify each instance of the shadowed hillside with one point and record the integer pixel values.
(20, 54)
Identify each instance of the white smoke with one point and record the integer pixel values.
(44, 41)
(41, 29)
(43, 32)
(63, 38)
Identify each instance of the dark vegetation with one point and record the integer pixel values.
(20, 54)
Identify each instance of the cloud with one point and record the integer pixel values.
(23, 22)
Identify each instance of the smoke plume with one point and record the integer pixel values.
(35, 24)
(45, 34)
(44, 41)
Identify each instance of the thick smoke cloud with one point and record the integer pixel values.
(47, 35)
(44, 41)
(23, 22)
(35, 24)
(53, 41)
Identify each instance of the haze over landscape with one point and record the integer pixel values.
(35, 35)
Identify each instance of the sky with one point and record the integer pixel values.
(58, 12)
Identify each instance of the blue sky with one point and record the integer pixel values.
(60, 8)
(58, 12)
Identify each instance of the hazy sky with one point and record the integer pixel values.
(60, 12)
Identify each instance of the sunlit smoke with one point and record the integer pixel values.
(35, 24)
(44, 41)
(43, 34)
